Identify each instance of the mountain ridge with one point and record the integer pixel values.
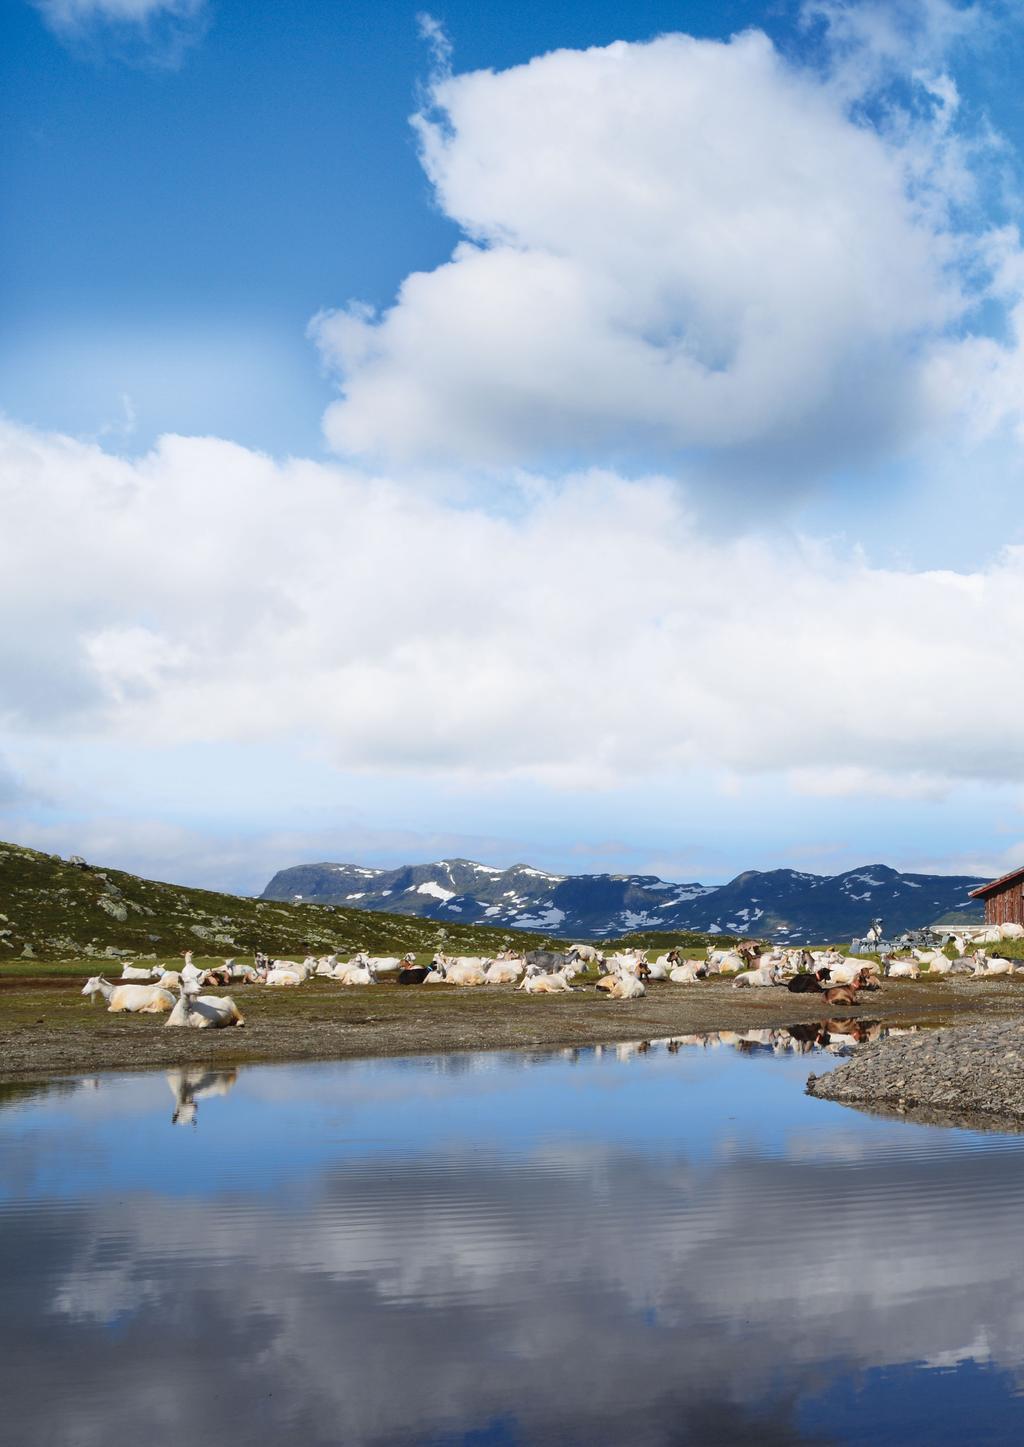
(785, 904)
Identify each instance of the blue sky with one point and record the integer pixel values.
(174, 227)
(220, 203)
(613, 467)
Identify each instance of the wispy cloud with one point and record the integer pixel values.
(433, 32)
(157, 32)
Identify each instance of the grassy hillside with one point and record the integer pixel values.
(51, 910)
(658, 941)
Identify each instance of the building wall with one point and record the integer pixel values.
(1006, 907)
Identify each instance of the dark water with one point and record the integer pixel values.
(616, 1248)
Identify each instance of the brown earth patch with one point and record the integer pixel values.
(47, 1028)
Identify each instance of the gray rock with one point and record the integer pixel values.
(972, 1070)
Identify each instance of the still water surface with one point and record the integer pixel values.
(608, 1248)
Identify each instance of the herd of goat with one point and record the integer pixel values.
(623, 975)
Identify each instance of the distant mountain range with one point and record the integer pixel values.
(779, 903)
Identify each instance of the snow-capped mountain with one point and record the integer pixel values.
(780, 903)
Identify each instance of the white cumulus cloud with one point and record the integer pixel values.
(685, 248)
(205, 592)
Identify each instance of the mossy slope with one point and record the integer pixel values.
(51, 909)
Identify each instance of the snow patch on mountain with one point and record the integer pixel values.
(435, 890)
(550, 919)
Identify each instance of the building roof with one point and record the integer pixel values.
(997, 884)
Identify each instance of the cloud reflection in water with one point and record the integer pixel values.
(655, 1248)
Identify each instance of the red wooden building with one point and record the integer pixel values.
(1004, 899)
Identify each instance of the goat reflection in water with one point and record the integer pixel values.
(189, 1085)
(834, 1036)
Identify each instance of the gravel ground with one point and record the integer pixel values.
(968, 1075)
(47, 1028)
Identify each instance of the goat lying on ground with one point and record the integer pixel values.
(760, 978)
(284, 977)
(983, 965)
(688, 973)
(412, 974)
(503, 972)
(902, 969)
(664, 964)
(355, 974)
(133, 972)
(203, 1012)
(809, 984)
(841, 995)
(537, 982)
(623, 986)
(135, 999)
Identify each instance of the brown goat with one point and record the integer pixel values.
(842, 995)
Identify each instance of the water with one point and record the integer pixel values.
(616, 1248)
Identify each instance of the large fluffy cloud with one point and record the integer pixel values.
(685, 246)
(204, 592)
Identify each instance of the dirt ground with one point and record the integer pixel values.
(47, 1028)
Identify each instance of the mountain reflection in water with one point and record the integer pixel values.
(642, 1244)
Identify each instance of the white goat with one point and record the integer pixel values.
(242, 972)
(537, 982)
(503, 972)
(902, 969)
(763, 976)
(135, 999)
(623, 986)
(659, 968)
(993, 965)
(389, 964)
(937, 962)
(626, 962)
(843, 971)
(284, 975)
(996, 932)
(688, 973)
(355, 974)
(203, 1012)
(727, 960)
(464, 969)
(189, 971)
(134, 972)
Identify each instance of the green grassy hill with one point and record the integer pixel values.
(51, 909)
(656, 942)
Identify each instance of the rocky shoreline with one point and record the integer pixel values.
(944, 1076)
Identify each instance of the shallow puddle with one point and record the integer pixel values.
(647, 1244)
